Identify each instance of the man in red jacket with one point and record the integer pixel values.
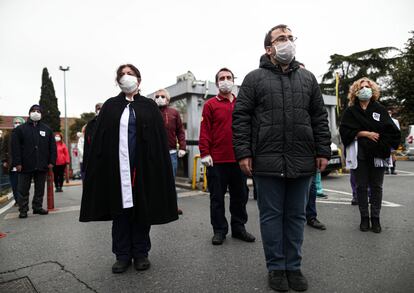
(216, 151)
(174, 128)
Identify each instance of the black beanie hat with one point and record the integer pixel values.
(35, 107)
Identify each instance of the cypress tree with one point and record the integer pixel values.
(48, 102)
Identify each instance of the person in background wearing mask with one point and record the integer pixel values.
(80, 146)
(8, 162)
(281, 136)
(62, 160)
(216, 151)
(368, 134)
(311, 213)
(89, 132)
(129, 177)
(391, 169)
(174, 128)
(33, 154)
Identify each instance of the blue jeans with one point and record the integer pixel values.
(174, 162)
(311, 205)
(282, 203)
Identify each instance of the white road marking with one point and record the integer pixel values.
(7, 207)
(347, 200)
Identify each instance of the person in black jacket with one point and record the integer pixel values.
(88, 135)
(281, 136)
(367, 128)
(33, 154)
(129, 177)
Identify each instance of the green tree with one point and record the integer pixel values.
(48, 102)
(79, 123)
(376, 64)
(403, 82)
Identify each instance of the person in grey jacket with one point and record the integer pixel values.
(33, 153)
(281, 137)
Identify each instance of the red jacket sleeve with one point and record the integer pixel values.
(67, 158)
(180, 132)
(204, 142)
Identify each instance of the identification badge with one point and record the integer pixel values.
(42, 133)
(376, 116)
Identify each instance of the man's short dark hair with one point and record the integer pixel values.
(223, 69)
(268, 37)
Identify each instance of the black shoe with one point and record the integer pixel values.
(297, 280)
(364, 226)
(354, 202)
(314, 223)
(40, 211)
(120, 266)
(23, 215)
(394, 173)
(142, 263)
(376, 226)
(387, 172)
(180, 211)
(244, 236)
(218, 239)
(278, 281)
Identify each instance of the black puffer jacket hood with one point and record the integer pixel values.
(280, 121)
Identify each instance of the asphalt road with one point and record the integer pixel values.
(56, 253)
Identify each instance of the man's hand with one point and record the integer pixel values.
(50, 166)
(19, 168)
(5, 165)
(246, 166)
(207, 161)
(321, 164)
(181, 153)
(373, 136)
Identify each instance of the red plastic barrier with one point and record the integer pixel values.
(50, 192)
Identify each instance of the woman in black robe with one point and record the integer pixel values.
(368, 132)
(129, 178)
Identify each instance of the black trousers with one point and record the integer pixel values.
(129, 239)
(367, 175)
(23, 187)
(59, 175)
(219, 177)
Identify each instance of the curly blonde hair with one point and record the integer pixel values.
(354, 89)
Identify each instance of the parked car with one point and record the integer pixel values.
(335, 163)
(409, 141)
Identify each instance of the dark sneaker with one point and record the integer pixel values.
(40, 212)
(314, 223)
(244, 236)
(180, 211)
(376, 226)
(364, 226)
(218, 239)
(321, 195)
(297, 280)
(120, 266)
(142, 263)
(354, 202)
(278, 281)
(23, 215)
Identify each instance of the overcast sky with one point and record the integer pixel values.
(167, 38)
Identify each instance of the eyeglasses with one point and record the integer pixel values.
(159, 96)
(283, 39)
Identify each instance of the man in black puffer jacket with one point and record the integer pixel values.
(281, 136)
(33, 153)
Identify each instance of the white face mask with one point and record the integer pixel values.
(128, 83)
(57, 138)
(161, 102)
(97, 112)
(225, 86)
(285, 52)
(35, 116)
(79, 134)
(16, 125)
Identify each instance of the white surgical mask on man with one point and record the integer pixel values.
(35, 116)
(225, 86)
(285, 52)
(128, 83)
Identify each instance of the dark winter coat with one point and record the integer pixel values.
(89, 132)
(33, 146)
(154, 194)
(280, 121)
(375, 119)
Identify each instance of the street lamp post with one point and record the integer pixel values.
(64, 69)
